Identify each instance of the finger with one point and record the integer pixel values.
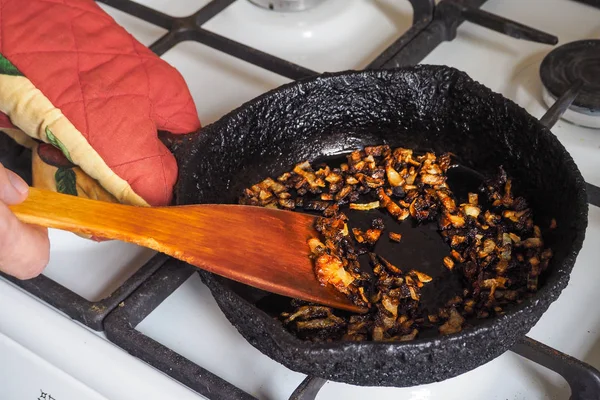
(24, 249)
(13, 189)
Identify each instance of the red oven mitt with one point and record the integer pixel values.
(89, 99)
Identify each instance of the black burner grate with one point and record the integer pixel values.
(89, 313)
(594, 3)
(154, 282)
(120, 328)
(190, 28)
(432, 25)
(441, 25)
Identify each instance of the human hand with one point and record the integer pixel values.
(24, 249)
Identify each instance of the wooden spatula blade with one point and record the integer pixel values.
(261, 247)
(264, 248)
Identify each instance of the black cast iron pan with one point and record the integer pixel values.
(423, 107)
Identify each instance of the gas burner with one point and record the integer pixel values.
(569, 65)
(287, 5)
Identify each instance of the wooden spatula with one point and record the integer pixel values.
(260, 247)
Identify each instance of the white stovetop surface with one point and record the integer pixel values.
(43, 351)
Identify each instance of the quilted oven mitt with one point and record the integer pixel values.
(89, 99)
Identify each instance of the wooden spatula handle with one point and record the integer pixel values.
(257, 246)
(80, 215)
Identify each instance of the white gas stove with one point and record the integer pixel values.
(44, 354)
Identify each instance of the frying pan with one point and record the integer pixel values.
(423, 107)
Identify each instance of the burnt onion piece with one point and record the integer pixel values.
(497, 249)
(396, 237)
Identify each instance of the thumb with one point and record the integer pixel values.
(13, 189)
(24, 249)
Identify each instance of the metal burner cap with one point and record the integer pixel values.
(287, 5)
(567, 64)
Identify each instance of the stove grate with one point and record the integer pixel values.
(593, 3)
(155, 281)
(190, 28)
(120, 328)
